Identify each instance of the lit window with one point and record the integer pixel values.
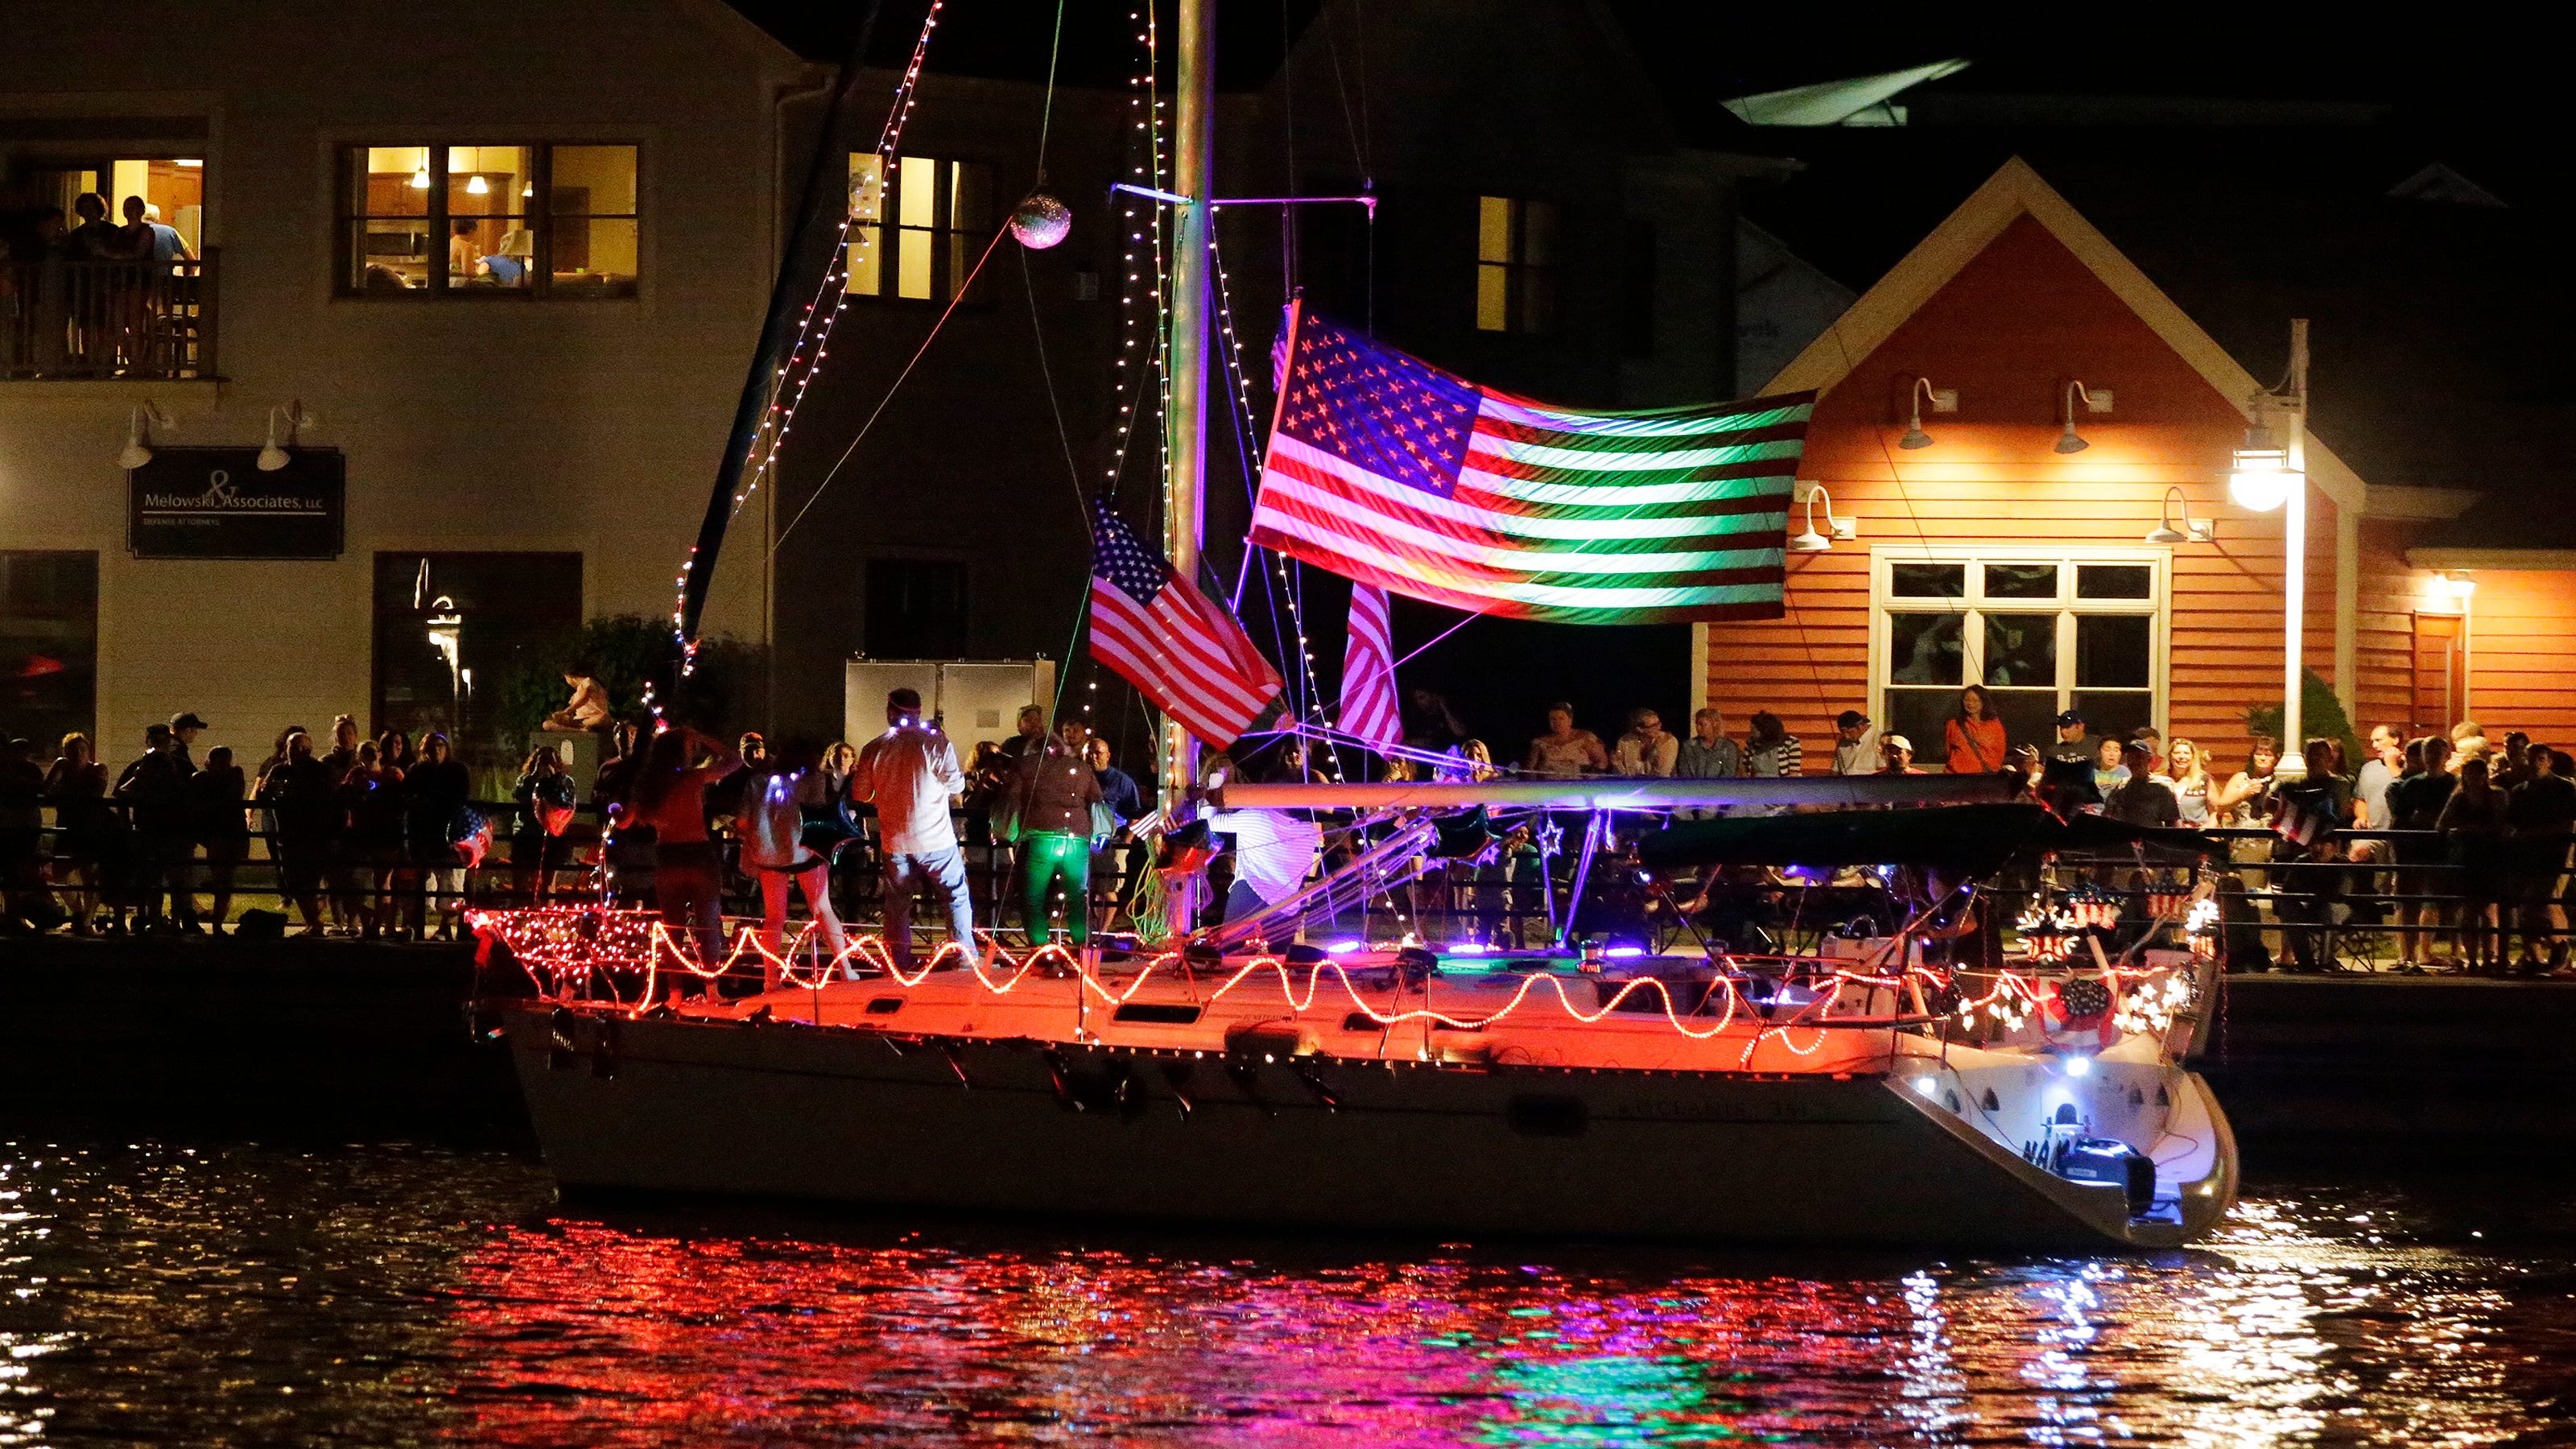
(483, 220)
(942, 215)
(1515, 265)
(2043, 632)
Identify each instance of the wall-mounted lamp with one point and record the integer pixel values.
(2192, 530)
(284, 421)
(139, 423)
(2094, 402)
(1840, 528)
(1944, 400)
(2459, 586)
(2261, 478)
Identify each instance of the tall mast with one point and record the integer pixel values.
(1186, 422)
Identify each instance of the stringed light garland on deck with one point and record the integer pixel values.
(572, 950)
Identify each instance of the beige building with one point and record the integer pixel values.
(510, 262)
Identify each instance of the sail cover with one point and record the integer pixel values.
(1392, 472)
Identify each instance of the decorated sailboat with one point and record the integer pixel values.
(1305, 1062)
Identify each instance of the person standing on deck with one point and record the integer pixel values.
(1032, 734)
(1055, 791)
(910, 774)
(669, 793)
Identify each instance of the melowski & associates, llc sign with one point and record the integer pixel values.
(210, 503)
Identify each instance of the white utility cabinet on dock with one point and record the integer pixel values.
(976, 699)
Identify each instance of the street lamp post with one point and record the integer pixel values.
(2271, 471)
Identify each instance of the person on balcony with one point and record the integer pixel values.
(150, 239)
(95, 236)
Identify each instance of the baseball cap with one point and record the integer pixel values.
(186, 720)
(1896, 742)
(1850, 717)
(2069, 718)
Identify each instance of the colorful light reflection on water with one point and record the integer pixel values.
(386, 1296)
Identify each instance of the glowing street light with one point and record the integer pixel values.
(2261, 479)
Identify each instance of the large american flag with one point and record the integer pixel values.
(1369, 711)
(1389, 471)
(1170, 640)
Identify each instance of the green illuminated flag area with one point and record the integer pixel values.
(1389, 471)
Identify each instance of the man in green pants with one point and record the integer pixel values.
(1055, 790)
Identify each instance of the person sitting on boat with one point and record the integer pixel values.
(1057, 794)
(771, 820)
(910, 774)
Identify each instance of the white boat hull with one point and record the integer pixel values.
(781, 1110)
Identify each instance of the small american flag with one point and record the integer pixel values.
(1387, 470)
(1173, 642)
(1368, 673)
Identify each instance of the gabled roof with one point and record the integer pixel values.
(2015, 191)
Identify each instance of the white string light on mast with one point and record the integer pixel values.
(814, 327)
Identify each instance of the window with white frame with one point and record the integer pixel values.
(2044, 630)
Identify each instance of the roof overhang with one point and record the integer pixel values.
(2442, 559)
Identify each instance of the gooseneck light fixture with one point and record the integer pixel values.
(1812, 541)
(139, 423)
(284, 421)
(2192, 530)
(1915, 437)
(2069, 442)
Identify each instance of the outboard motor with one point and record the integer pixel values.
(2115, 1163)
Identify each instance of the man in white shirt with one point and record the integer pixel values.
(910, 774)
(1855, 744)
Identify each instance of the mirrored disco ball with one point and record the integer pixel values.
(1040, 221)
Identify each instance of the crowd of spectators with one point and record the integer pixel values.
(372, 838)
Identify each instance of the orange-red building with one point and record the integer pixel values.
(1987, 555)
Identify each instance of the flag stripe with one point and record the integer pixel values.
(1669, 422)
(1339, 559)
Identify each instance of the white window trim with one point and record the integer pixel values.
(2158, 605)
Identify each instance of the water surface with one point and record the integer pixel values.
(232, 1294)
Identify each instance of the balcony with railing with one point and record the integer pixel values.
(96, 319)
